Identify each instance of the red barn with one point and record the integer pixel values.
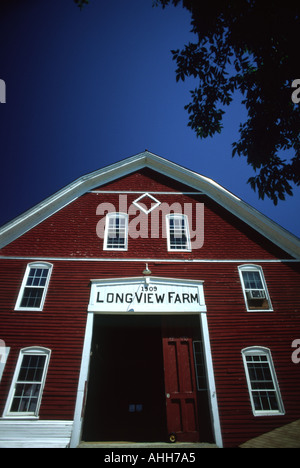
(145, 302)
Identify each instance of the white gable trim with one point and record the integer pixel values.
(262, 224)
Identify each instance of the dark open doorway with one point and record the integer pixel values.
(147, 380)
(126, 396)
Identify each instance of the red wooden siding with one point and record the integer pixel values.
(61, 327)
(71, 234)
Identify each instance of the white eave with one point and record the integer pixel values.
(268, 228)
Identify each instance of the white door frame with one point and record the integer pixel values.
(84, 371)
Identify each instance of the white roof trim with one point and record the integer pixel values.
(265, 226)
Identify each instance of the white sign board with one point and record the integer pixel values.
(146, 295)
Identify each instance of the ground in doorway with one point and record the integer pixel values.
(148, 445)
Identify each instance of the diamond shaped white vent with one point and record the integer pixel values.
(148, 201)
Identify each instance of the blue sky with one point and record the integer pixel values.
(88, 88)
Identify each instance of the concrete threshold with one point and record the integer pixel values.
(148, 445)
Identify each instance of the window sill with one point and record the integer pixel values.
(260, 310)
(180, 250)
(19, 418)
(260, 414)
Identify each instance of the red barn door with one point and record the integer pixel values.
(180, 386)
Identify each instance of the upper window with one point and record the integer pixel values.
(116, 231)
(27, 387)
(34, 286)
(255, 288)
(262, 382)
(178, 232)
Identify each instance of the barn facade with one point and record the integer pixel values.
(145, 302)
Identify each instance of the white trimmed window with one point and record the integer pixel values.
(25, 395)
(178, 232)
(34, 286)
(255, 288)
(262, 382)
(116, 231)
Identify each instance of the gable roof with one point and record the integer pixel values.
(262, 224)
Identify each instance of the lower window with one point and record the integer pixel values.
(262, 382)
(28, 383)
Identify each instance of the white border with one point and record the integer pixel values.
(33, 350)
(187, 232)
(147, 260)
(211, 381)
(268, 228)
(261, 350)
(41, 265)
(148, 281)
(4, 353)
(83, 381)
(108, 217)
(251, 267)
(84, 371)
(136, 203)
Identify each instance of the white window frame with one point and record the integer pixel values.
(110, 216)
(257, 269)
(38, 265)
(266, 353)
(186, 230)
(32, 351)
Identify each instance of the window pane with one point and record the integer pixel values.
(255, 289)
(32, 368)
(28, 384)
(37, 277)
(116, 232)
(25, 398)
(262, 385)
(32, 297)
(252, 280)
(178, 233)
(32, 294)
(265, 401)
